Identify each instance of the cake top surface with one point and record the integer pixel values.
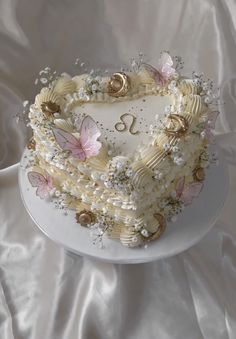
(126, 124)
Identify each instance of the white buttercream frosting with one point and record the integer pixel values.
(139, 163)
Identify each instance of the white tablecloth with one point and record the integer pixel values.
(48, 293)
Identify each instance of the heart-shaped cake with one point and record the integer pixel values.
(126, 151)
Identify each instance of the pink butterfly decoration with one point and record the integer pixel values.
(86, 146)
(165, 70)
(210, 125)
(187, 192)
(44, 184)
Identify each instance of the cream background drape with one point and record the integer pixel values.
(48, 293)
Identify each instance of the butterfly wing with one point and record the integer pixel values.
(43, 191)
(212, 116)
(210, 136)
(154, 73)
(68, 142)
(167, 72)
(38, 180)
(165, 59)
(49, 181)
(190, 192)
(89, 134)
(180, 187)
(166, 66)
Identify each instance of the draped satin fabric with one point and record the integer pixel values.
(46, 292)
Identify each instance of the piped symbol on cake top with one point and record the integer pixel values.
(123, 125)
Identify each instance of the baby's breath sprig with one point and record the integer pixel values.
(179, 64)
(46, 76)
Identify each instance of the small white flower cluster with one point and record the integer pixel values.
(100, 228)
(171, 207)
(80, 64)
(93, 83)
(179, 64)
(83, 95)
(94, 206)
(60, 201)
(66, 185)
(176, 153)
(46, 75)
(97, 234)
(136, 64)
(22, 115)
(214, 158)
(209, 94)
(158, 175)
(167, 147)
(173, 87)
(179, 160)
(25, 103)
(204, 159)
(31, 160)
(200, 128)
(119, 174)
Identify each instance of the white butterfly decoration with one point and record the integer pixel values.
(44, 184)
(86, 145)
(165, 70)
(187, 192)
(210, 125)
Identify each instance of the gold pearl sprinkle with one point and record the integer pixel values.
(49, 108)
(178, 125)
(31, 144)
(119, 84)
(199, 174)
(85, 218)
